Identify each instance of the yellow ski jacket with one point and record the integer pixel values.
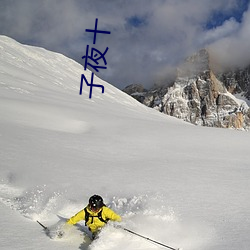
(94, 223)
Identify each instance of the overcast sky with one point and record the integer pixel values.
(148, 37)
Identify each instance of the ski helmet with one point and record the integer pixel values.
(95, 202)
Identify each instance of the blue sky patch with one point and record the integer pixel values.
(219, 17)
(136, 21)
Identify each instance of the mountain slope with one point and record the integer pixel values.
(182, 185)
(202, 97)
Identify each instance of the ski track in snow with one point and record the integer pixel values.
(145, 214)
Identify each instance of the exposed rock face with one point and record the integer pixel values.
(137, 91)
(199, 97)
(134, 88)
(237, 81)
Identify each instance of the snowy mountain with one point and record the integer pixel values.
(182, 185)
(237, 81)
(201, 96)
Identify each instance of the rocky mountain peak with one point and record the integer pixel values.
(202, 97)
(196, 64)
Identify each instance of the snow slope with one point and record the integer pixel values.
(176, 183)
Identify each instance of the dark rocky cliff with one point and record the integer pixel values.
(200, 96)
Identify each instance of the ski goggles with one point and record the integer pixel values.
(94, 208)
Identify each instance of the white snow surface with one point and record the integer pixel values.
(182, 185)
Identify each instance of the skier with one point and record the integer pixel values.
(95, 214)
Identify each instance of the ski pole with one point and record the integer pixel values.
(146, 238)
(45, 228)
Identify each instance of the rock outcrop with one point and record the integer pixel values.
(199, 96)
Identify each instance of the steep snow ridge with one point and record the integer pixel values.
(41, 77)
(38, 71)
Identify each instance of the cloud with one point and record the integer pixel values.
(228, 28)
(233, 49)
(148, 38)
